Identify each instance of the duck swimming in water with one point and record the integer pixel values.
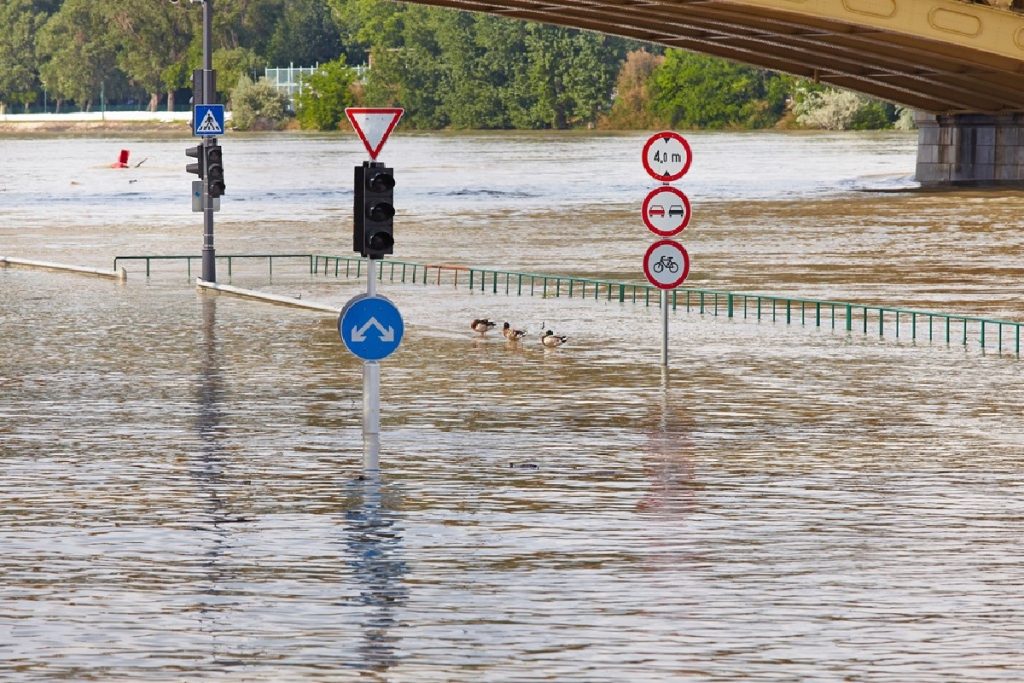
(482, 325)
(552, 340)
(512, 334)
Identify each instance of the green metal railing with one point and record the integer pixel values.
(230, 258)
(899, 323)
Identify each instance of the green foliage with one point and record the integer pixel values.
(325, 94)
(77, 53)
(696, 91)
(446, 68)
(832, 109)
(18, 64)
(632, 109)
(305, 35)
(233, 64)
(462, 70)
(257, 106)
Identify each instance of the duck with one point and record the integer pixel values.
(552, 340)
(482, 325)
(512, 334)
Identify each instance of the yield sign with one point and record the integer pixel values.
(374, 126)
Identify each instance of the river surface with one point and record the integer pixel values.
(181, 489)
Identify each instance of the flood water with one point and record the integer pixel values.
(180, 473)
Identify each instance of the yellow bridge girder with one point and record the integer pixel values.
(938, 56)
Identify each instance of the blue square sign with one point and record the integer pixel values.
(208, 120)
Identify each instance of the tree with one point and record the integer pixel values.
(697, 91)
(325, 94)
(76, 52)
(632, 107)
(154, 41)
(305, 35)
(18, 65)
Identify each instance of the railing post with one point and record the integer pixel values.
(622, 293)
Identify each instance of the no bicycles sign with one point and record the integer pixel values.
(666, 264)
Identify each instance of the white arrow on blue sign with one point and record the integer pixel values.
(371, 327)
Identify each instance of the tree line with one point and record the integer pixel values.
(448, 69)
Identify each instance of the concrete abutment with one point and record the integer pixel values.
(970, 149)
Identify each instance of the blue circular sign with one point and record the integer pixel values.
(371, 327)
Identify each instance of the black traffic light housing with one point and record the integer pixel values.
(197, 154)
(215, 169)
(374, 210)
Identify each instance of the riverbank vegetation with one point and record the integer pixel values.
(447, 69)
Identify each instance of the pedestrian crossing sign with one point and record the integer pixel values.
(208, 120)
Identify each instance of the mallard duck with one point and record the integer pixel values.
(481, 325)
(551, 340)
(512, 334)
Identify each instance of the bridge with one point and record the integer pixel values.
(960, 65)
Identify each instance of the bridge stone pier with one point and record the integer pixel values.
(970, 149)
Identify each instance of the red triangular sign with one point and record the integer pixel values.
(373, 126)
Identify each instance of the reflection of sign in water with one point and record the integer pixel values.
(666, 264)
(371, 327)
(667, 156)
(666, 211)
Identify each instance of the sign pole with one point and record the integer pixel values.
(370, 325)
(209, 261)
(664, 328)
(371, 390)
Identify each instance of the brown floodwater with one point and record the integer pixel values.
(182, 494)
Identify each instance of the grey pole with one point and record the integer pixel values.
(209, 97)
(664, 328)
(371, 390)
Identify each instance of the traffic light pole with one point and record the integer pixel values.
(371, 390)
(209, 94)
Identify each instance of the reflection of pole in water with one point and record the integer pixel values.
(670, 457)
(374, 543)
(208, 471)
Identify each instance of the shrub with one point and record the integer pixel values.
(258, 106)
(832, 109)
(325, 94)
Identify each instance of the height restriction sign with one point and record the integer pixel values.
(667, 156)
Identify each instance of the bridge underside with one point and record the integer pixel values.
(941, 57)
(960, 62)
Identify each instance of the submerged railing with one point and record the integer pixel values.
(901, 323)
(888, 321)
(230, 258)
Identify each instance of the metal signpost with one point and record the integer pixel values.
(665, 212)
(370, 326)
(207, 123)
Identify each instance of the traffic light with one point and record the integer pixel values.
(378, 210)
(215, 169)
(197, 154)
